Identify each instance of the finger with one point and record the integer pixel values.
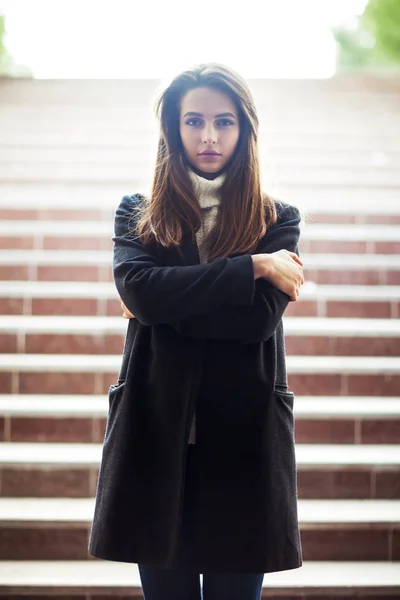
(296, 257)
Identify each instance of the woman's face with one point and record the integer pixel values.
(209, 121)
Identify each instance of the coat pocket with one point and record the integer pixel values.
(284, 395)
(115, 393)
(284, 405)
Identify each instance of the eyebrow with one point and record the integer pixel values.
(198, 114)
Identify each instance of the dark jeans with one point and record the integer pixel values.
(183, 583)
(164, 584)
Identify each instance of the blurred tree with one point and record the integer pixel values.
(4, 55)
(374, 40)
(382, 19)
(8, 67)
(2, 33)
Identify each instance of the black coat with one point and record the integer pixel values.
(206, 338)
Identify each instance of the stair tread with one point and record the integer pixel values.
(80, 510)
(99, 574)
(102, 258)
(310, 231)
(79, 289)
(42, 196)
(81, 405)
(111, 363)
(89, 455)
(65, 289)
(347, 406)
(299, 326)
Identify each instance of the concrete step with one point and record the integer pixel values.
(363, 471)
(101, 335)
(88, 265)
(92, 405)
(351, 530)
(276, 155)
(87, 579)
(95, 229)
(97, 235)
(122, 174)
(308, 139)
(141, 116)
(336, 420)
(91, 119)
(93, 374)
(371, 123)
(58, 201)
(358, 301)
(82, 419)
(18, 512)
(101, 299)
(348, 85)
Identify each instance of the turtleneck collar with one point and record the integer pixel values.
(208, 191)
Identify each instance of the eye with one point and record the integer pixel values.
(226, 121)
(189, 121)
(223, 122)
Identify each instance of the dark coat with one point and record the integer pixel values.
(206, 338)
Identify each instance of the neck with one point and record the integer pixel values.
(209, 176)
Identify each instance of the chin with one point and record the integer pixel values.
(210, 167)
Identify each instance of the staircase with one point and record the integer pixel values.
(69, 151)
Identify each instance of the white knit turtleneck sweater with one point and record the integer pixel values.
(208, 193)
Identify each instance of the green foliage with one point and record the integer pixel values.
(382, 19)
(2, 34)
(375, 41)
(8, 67)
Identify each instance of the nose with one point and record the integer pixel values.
(209, 134)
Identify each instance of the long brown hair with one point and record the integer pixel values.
(172, 210)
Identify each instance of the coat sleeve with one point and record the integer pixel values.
(163, 294)
(257, 322)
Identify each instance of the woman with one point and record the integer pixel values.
(198, 470)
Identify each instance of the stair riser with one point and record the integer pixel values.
(113, 344)
(56, 273)
(91, 430)
(57, 243)
(94, 273)
(341, 346)
(352, 277)
(111, 307)
(341, 542)
(298, 177)
(63, 214)
(60, 593)
(75, 306)
(313, 483)
(347, 247)
(48, 593)
(107, 215)
(360, 309)
(105, 243)
(99, 383)
(267, 592)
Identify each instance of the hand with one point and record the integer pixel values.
(283, 269)
(126, 312)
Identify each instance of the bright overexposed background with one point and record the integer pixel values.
(155, 38)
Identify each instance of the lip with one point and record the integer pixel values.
(209, 153)
(209, 157)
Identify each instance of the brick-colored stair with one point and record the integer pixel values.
(68, 152)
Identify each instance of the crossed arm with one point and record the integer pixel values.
(218, 300)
